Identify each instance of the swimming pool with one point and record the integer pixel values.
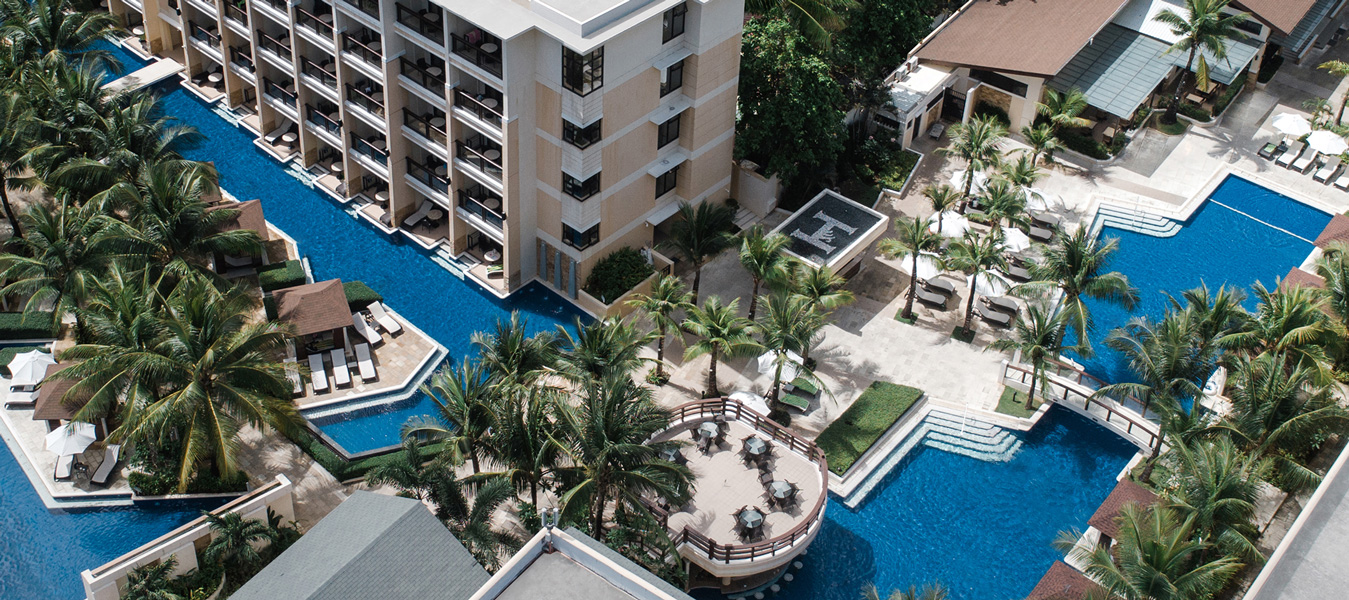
(130, 62)
(1216, 246)
(983, 529)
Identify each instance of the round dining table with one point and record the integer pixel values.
(781, 489)
(492, 256)
(670, 455)
(751, 518)
(708, 430)
(756, 446)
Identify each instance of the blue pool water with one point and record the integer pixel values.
(129, 61)
(982, 529)
(1216, 246)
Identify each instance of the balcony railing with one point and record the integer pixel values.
(369, 7)
(315, 22)
(200, 34)
(429, 76)
(426, 173)
(358, 95)
(317, 117)
(312, 69)
(280, 5)
(362, 49)
(480, 105)
(475, 200)
(236, 12)
(428, 23)
(279, 48)
(275, 91)
(489, 61)
(430, 126)
(368, 149)
(476, 154)
(243, 59)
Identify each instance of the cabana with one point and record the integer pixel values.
(250, 217)
(1106, 517)
(50, 406)
(318, 311)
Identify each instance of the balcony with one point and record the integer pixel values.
(480, 152)
(241, 58)
(279, 48)
(364, 94)
(275, 91)
(280, 6)
(372, 149)
(237, 11)
(481, 49)
(486, 107)
(482, 203)
(325, 73)
(204, 35)
(428, 22)
(426, 74)
(432, 173)
(319, 21)
(325, 118)
(430, 126)
(369, 7)
(366, 47)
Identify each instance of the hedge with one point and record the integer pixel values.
(359, 295)
(341, 468)
(1084, 144)
(7, 355)
(617, 273)
(281, 275)
(853, 433)
(26, 326)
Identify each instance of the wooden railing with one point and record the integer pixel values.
(704, 410)
(1075, 394)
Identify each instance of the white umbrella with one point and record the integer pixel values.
(953, 224)
(958, 180)
(990, 283)
(1327, 142)
(1036, 200)
(927, 265)
(29, 368)
(753, 402)
(768, 363)
(71, 438)
(1014, 239)
(1291, 124)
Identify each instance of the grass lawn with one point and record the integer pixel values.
(1176, 128)
(962, 334)
(8, 354)
(1013, 403)
(899, 316)
(848, 437)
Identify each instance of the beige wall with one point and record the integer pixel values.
(708, 71)
(705, 123)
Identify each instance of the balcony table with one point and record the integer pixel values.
(434, 71)
(382, 197)
(215, 77)
(492, 256)
(492, 155)
(490, 103)
(437, 122)
(435, 215)
(336, 167)
(377, 144)
(289, 138)
(491, 204)
(327, 18)
(489, 47)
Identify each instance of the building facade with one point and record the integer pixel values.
(521, 139)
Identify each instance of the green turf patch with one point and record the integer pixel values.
(1013, 403)
(8, 354)
(1176, 128)
(963, 335)
(852, 434)
(899, 316)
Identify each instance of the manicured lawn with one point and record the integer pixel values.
(848, 438)
(1013, 403)
(1176, 128)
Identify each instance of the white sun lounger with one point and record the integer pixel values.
(341, 374)
(382, 317)
(109, 461)
(276, 134)
(64, 465)
(366, 364)
(1301, 164)
(1328, 170)
(293, 374)
(422, 211)
(21, 400)
(364, 329)
(318, 375)
(1293, 152)
(1343, 181)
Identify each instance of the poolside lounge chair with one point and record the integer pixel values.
(1342, 181)
(929, 298)
(21, 400)
(318, 374)
(422, 210)
(1041, 234)
(1327, 170)
(1304, 162)
(341, 374)
(1050, 221)
(1002, 303)
(293, 374)
(940, 286)
(110, 455)
(1016, 272)
(365, 363)
(364, 329)
(998, 318)
(276, 134)
(64, 465)
(382, 317)
(1291, 154)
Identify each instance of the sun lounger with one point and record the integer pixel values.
(1002, 303)
(940, 286)
(341, 374)
(109, 462)
(1291, 154)
(318, 374)
(1328, 170)
(64, 465)
(293, 374)
(1271, 149)
(1041, 234)
(386, 322)
(1018, 273)
(276, 134)
(795, 401)
(422, 211)
(1000, 319)
(1342, 181)
(238, 261)
(929, 298)
(366, 364)
(1303, 163)
(21, 400)
(364, 329)
(1050, 221)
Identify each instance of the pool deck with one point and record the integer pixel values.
(401, 362)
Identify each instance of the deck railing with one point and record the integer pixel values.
(362, 49)
(243, 59)
(280, 5)
(488, 61)
(274, 90)
(471, 103)
(200, 34)
(363, 146)
(236, 13)
(319, 118)
(1071, 393)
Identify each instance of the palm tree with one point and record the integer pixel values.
(56, 265)
(465, 411)
(1042, 141)
(724, 334)
(761, 255)
(121, 143)
(601, 348)
(471, 521)
(1075, 264)
(235, 540)
(1333, 268)
(700, 234)
(1003, 201)
(1289, 322)
(942, 198)
(975, 255)
(151, 582)
(1063, 109)
(511, 356)
(122, 316)
(979, 144)
(608, 460)
(413, 474)
(816, 20)
(520, 440)
(667, 297)
(1022, 171)
(1038, 335)
(1204, 26)
(912, 237)
(786, 326)
(1155, 558)
(1320, 111)
(58, 31)
(1215, 314)
(932, 591)
(824, 288)
(1339, 69)
(16, 128)
(1216, 486)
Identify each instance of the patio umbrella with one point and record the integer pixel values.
(30, 367)
(990, 283)
(958, 181)
(1327, 142)
(768, 363)
(753, 401)
(1291, 124)
(953, 224)
(71, 438)
(1036, 200)
(1014, 239)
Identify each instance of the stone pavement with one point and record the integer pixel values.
(316, 492)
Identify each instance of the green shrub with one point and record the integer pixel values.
(1195, 112)
(341, 468)
(898, 174)
(281, 275)
(617, 273)
(269, 305)
(359, 295)
(26, 326)
(1140, 116)
(1084, 144)
(8, 354)
(853, 433)
(1229, 95)
(984, 109)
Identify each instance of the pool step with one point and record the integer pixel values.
(1138, 221)
(228, 115)
(303, 175)
(448, 262)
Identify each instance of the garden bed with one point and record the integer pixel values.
(1013, 402)
(856, 430)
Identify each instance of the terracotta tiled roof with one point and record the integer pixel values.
(1283, 15)
(250, 217)
(1298, 277)
(1034, 37)
(49, 406)
(313, 308)
(1337, 230)
(1125, 492)
(1062, 582)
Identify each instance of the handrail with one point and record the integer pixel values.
(273, 89)
(422, 125)
(475, 157)
(1068, 393)
(236, 13)
(313, 22)
(426, 174)
(702, 410)
(369, 7)
(313, 69)
(200, 34)
(359, 48)
(355, 94)
(470, 103)
(273, 45)
(316, 116)
(281, 6)
(416, 21)
(363, 146)
(469, 201)
(242, 59)
(423, 75)
(488, 61)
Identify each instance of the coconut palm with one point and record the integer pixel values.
(520, 440)
(465, 411)
(667, 297)
(1216, 314)
(235, 540)
(1042, 141)
(932, 591)
(411, 472)
(601, 348)
(1333, 268)
(975, 255)
(471, 520)
(56, 264)
(816, 20)
(785, 326)
(152, 581)
(1216, 486)
(16, 129)
(603, 438)
(824, 288)
(1339, 69)
(511, 356)
(58, 31)
(1076, 265)
(912, 237)
(723, 333)
(121, 143)
(122, 317)
(942, 198)
(700, 234)
(1038, 335)
(1202, 26)
(1289, 322)
(1003, 201)
(761, 255)
(1155, 558)
(1063, 110)
(1021, 171)
(979, 144)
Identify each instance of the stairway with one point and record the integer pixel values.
(1138, 221)
(744, 219)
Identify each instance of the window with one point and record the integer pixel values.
(581, 137)
(667, 181)
(581, 190)
(580, 240)
(667, 132)
(672, 24)
(674, 79)
(582, 73)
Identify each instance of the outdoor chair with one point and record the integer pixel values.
(1002, 303)
(1017, 272)
(1286, 159)
(940, 286)
(110, 455)
(930, 299)
(422, 210)
(1040, 234)
(1272, 149)
(1342, 181)
(1305, 162)
(1049, 221)
(318, 374)
(364, 329)
(65, 466)
(998, 318)
(341, 374)
(293, 374)
(365, 363)
(1327, 171)
(765, 478)
(386, 322)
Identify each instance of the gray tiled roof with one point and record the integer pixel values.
(371, 546)
(1302, 34)
(636, 569)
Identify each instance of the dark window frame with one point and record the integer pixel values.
(580, 240)
(581, 137)
(673, 22)
(674, 78)
(574, 70)
(1250, 26)
(663, 134)
(580, 190)
(667, 181)
(1000, 81)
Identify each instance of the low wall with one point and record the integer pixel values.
(619, 307)
(107, 582)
